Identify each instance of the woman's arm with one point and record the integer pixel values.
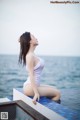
(30, 65)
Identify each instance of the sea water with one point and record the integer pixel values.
(62, 72)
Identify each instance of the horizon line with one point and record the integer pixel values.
(45, 55)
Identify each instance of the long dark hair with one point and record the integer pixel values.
(24, 47)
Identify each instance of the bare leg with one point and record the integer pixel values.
(44, 90)
(50, 91)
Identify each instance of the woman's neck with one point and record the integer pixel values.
(31, 49)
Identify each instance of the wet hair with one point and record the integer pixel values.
(24, 47)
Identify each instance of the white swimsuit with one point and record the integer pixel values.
(37, 73)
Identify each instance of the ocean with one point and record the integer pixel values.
(62, 72)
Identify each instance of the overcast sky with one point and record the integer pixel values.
(56, 26)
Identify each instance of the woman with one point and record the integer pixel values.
(34, 66)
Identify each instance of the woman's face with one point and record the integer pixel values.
(33, 40)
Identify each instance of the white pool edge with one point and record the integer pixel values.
(51, 115)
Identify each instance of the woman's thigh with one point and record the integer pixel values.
(45, 85)
(47, 90)
(44, 90)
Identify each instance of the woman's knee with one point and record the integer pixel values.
(58, 93)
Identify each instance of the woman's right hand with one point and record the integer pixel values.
(36, 97)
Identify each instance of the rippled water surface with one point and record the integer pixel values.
(62, 72)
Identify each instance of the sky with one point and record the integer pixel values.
(56, 26)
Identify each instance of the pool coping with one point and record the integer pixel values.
(18, 95)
